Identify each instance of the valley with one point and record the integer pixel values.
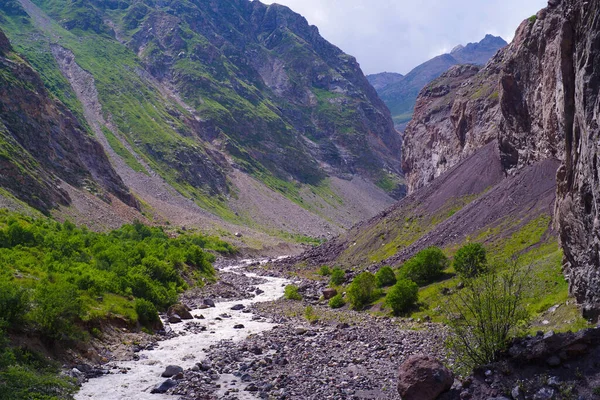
(205, 199)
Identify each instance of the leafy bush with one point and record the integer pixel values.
(324, 270)
(337, 301)
(310, 314)
(338, 277)
(385, 276)
(361, 290)
(426, 266)
(487, 314)
(147, 314)
(291, 293)
(402, 296)
(14, 303)
(470, 260)
(57, 307)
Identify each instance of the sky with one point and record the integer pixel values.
(398, 35)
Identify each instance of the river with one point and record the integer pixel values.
(186, 349)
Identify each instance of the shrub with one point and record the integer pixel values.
(310, 314)
(338, 277)
(426, 266)
(470, 260)
(14, 303)
(147, 314)
(385, 277)
(57, 306)
(487, 314)
(337, 301)
(324, 271)
(360, 292)
(291, 293)
(402, 296)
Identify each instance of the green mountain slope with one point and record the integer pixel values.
(208, 97)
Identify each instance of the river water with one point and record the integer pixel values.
(184, 350)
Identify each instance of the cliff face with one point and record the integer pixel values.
(579, 185)
(40, 141)
(515, 98)
(537, 99)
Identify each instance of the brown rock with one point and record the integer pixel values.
(329, 293)
(423, 378)
(181, 310)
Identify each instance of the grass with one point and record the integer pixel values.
(122, 152)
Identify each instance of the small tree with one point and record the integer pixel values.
(470, 260)
(488, 314)
(324, 270)
(426, 266)
(402, 296)
(360, 292)
(385, 276)
(337, 301)
(291, 293)
(338, 277)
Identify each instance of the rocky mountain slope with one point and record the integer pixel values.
(533, 106)
(400, 95)
(221, 113)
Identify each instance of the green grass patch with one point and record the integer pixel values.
(122, 151)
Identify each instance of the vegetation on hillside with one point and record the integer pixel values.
(59, 282)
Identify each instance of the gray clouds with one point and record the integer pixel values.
(397, 35)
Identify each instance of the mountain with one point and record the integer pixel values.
(383, 79)
(504, 154)
(400, 95)
(221, 113)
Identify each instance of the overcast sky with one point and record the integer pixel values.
(398, 35)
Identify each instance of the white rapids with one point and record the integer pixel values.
(184, 350)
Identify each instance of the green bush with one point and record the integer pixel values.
(291, 293)
(487, 314)
(14, 303)
(385, 276)
(426, 266)
(338, 277)
(147, 314)
(324, 270)
(470, 260)
(402, 296)
(337, 301)
(360, 293)
(57, 307)
(310, 314)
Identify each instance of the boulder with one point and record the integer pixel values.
(172, 370)
(163, 387)
(238, 326)
(180, 310)
(423, 377)
(209, 302)
(174, 319)
(329, 293)
(238, 307)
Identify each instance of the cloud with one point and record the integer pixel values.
(397, 35)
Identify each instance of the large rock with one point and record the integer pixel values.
(172, 370)
(180, 310)
(423, 378)
(329, 293)
(163, 387)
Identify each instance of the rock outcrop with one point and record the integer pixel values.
(537, 99)
(579, 185)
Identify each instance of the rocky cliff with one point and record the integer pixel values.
(578, 190)
(537, 99)
(42, 143)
